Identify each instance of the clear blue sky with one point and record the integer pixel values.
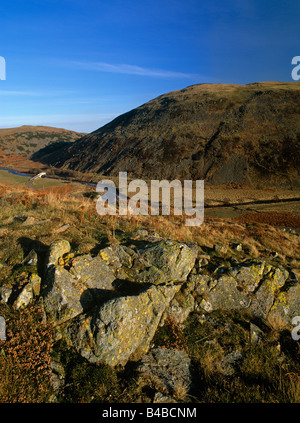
(77, 64)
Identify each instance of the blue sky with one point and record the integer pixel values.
(77, 64)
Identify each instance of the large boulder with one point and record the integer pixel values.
(122, 328)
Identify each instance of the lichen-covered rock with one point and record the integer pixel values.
(167, 368)
(173, 259)
(154, 263)
(253, 285)
(265, 295)
(118, 256)
(64, 297)
(287, 304)
(122, 328)
(94, 273)
(5, 293)
(56, 250)
(226, 295)
(248, 275)
(202, 283)
(29, 291)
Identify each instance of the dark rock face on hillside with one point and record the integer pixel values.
(217, 132)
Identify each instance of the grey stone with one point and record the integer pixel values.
(56, 250)
(230, 363)
(256, 334)
(64, 297)
(31, 259)
(31, 289)
(58, 375)
(122, 328)
(221, 249)
(5, 292)
(173, 258)
(167, 368)
(93, 272)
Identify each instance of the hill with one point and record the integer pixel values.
(27, 139)
(218, 132)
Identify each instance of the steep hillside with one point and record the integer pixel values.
(26, 140)
(217, 132)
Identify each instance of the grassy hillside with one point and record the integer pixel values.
(26, 140)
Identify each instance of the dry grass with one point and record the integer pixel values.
(62, 205)
(181, 391)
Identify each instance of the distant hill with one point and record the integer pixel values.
(217, 132)
(26, 140)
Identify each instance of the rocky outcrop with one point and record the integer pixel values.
(110, 305)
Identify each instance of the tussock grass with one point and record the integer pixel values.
(60, 206)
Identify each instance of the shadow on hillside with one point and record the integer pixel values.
(49, 154)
